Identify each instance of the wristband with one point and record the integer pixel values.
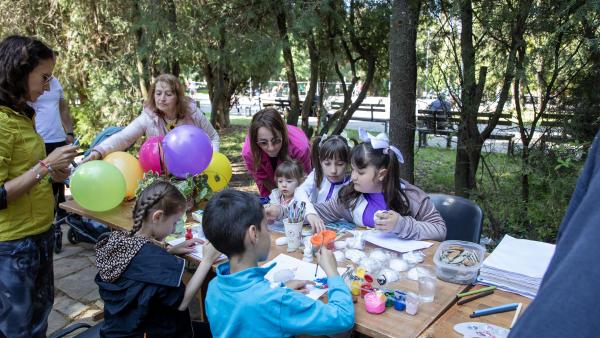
(47, 166)
(71, 134)
(38, 175)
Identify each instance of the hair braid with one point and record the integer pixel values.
(141, 209)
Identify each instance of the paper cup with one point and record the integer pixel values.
(293, 232)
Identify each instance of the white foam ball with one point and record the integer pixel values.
(398, 264)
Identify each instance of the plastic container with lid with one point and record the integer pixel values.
(456, 271)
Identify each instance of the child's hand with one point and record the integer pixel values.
(209, 253)
(327, 261)
(387, 220)
(273, 212)
(184, 247)
(299, 285)
(316, 222)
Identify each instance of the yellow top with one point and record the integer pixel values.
(20, 149)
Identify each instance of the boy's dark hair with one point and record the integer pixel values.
(227, 217)
(160, 195)
(395, 197)
(290, 169)
(19, 55)
(334, 147)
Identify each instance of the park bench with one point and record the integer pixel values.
(369, 112)
(438, 122)
(280, 104)
(553, 126)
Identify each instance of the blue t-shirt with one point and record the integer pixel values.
(243, 304)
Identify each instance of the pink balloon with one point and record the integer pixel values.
(150, 154)
(187, 150)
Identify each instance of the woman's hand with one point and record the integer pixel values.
(185, 247)
(316, 222)
(299, 285)
(209, 253)
(386, 220)
(94, 155)
(60, 175)
(61, 157)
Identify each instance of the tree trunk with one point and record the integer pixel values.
(403, 80)
(141, 60)
(220, 98)
(289, 66)
(312, 86)
(172, 17)
(469, 145)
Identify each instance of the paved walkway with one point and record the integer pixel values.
(76, 297)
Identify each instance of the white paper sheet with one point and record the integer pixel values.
(302, 271)
(392, 242)
(197, 253)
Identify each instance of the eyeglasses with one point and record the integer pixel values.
(47, 78)
(265, 143)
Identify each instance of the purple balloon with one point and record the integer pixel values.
(187, 150)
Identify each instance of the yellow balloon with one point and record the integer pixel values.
(131, 169)
(218, 172)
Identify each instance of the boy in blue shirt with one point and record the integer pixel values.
(241, 302)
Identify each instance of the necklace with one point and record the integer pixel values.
(171, 124)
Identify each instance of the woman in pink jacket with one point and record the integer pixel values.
(165, 109)
(269, 142)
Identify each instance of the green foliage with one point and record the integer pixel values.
(193, 187)
(499, 185)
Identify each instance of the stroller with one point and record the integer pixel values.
(82, 229)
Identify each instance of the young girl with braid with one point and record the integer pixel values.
(140, 281)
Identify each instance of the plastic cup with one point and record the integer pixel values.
(293, 232)
(412, 303)
(427, 283)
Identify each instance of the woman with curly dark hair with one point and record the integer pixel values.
(26, 200)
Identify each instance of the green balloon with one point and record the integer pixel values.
(98, 186)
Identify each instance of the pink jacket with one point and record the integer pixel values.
(150, 124)
(298, 149)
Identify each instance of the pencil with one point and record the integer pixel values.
(474, 292)
(477, 296)
(516, 315)
(494, 309)
(318, 260)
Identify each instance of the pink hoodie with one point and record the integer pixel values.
(150, 124)
(298, 149)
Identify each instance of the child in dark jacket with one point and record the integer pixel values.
(140, 281)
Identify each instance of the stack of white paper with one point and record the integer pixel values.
(517, 265)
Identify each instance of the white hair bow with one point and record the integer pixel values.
(380, 141)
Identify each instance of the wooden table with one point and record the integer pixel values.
(391, 323)
(444, 326)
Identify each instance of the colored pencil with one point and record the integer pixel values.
(474, 292)
(477, 296)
